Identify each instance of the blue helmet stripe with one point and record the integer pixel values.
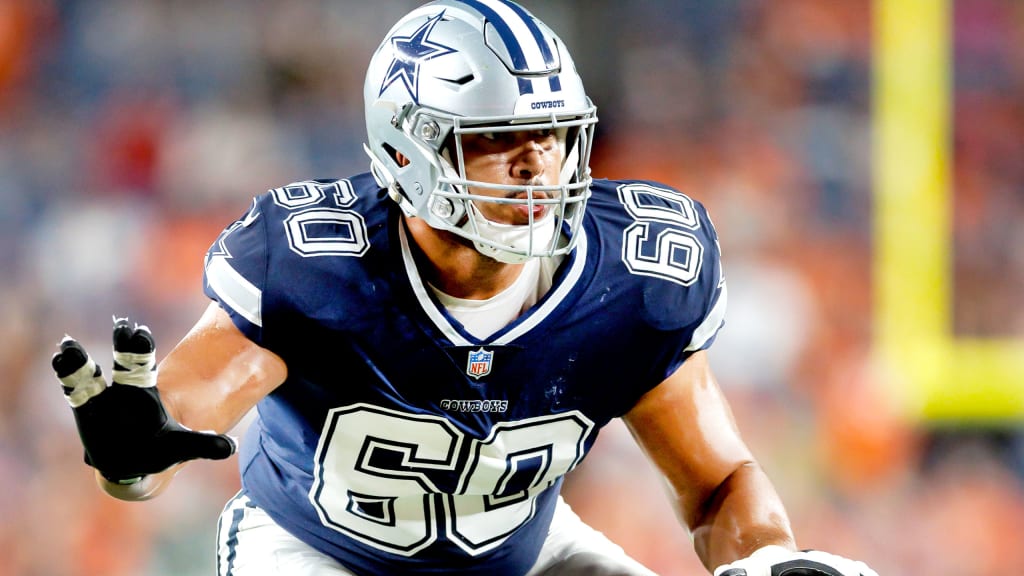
(542, 42)
(515, 49)
(511, 41)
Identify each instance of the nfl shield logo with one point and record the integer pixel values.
(479, 364)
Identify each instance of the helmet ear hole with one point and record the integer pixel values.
(399, 158)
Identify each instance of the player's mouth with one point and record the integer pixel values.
(523, 211)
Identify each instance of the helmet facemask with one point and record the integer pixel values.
(564, 201)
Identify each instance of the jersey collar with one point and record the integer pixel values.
(560, 290)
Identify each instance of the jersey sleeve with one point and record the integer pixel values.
(716, 290)
(689, 310)
(235, 271)
(709, 297)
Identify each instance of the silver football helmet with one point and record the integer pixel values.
(455, 67)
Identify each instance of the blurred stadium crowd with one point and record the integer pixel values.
(132, 131)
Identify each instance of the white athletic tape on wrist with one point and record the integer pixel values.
(138, 369)
(84, 384)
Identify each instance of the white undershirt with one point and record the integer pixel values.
(481, 318)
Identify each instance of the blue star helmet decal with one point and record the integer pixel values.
(410, 52)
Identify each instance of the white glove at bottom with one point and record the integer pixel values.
(779, 561)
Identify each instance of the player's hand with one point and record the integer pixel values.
(125, 430)
(779, 561)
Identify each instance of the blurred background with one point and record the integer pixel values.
(133, 131)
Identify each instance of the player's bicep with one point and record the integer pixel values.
(216, 374)
(686, 428)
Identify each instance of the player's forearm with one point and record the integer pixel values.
(215, 375)
(744, 514)
(150, 486)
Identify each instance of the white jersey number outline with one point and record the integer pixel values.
(322, 231)
(677, 253)
(374, 467)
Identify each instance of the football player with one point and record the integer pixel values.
(432, 345)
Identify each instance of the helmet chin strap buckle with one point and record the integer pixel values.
(442, 207)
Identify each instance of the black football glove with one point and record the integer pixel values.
(778, 561)
(125, 430)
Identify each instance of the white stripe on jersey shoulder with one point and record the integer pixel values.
(561, 290)
(712, 322)
(234, 290)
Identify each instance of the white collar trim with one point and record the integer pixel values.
(534, 317)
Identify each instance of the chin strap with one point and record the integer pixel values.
(509, 243)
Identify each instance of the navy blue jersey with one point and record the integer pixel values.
(399, 442)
